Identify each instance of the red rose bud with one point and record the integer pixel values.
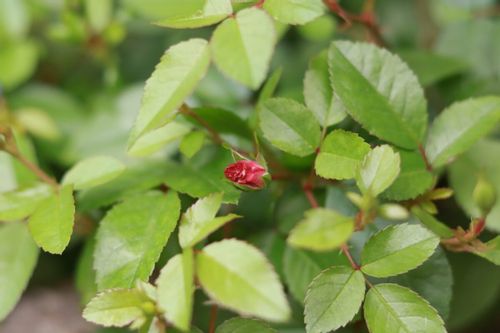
(248, 174)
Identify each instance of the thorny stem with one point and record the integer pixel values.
(366, 18)
(10, 146)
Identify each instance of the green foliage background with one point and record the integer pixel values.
(73, 74)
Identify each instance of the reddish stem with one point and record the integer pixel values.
(260, 4)
(367, 18)
(213, 318)
(428, 165)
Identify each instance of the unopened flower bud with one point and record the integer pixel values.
(484, 195)
(246, 174)
(394, 212)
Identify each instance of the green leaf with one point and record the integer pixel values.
(413, 180)
(482, 160)
(156, 139)
(175, 289)
(393, 106)
(433, 224)
(99, 13)
(289, 126)
(430, 67)
(246, 59)
(300, 267)
(433, 281)
(333, 298)
(458, 127)
(117, 307)
(199, 221)
(397, 249)
(93, 171)
(222, 121)
(322, 230)
(192, 143)
(131, 238)
(85, 274)
(318, 92)
(51, 224)
(379, 170)
(18, 256)
(239, 277)
(341, 155)
(244, 325)
(184, 64)
(213, 11)
(18, 62)
(270, 86)
(135, 179)
(294, 11)
(19, 204)
(492, 251)
(199, 182)
(392, 308)
(14, 19)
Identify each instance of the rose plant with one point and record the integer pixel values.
(242, 199)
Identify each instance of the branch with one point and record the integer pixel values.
(366, 18)
(10, 146)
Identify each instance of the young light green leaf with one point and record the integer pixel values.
(321, 230)
(318, 92)
(333, 298)
(199, 220)
(118, 307)
(433, 224)
(51, 224)
(341, 155)
(17, 205)
(93, 171)
(192, 143)
(492, 251)
(175, 289)
(289, 126)
(213, 11)
(458, 127)
(156, 139)
(99, 13)
(244, 325)
(184, 64)
(294, 11)
(379, 170)
(131, 237)
(413, 180)
(18, 256)
(397, 249)
(246, 59)
(393, 106)
(18, 60)
(239, 277)
(391, 308)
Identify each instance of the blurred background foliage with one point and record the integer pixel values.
(72, 73)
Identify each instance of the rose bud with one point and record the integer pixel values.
(246, 174)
